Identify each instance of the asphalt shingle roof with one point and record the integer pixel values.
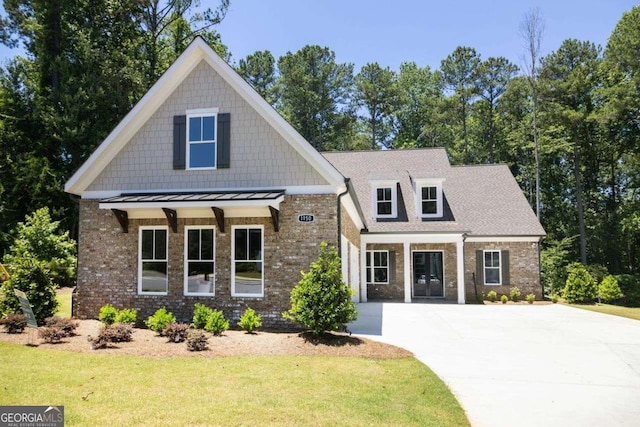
(482, 200)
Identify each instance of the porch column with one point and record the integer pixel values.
(460, 265)
(363, 271)
(407, 271)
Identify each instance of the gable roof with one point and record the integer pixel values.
(483, 200)
(195, 53)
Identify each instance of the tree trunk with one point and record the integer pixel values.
(579, 203)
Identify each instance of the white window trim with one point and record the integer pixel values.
(186, 260)
(151, 227)
(484, 267)
(202, 112)
(372, 267)
(421, 183)
(375, 186)
(233, 260)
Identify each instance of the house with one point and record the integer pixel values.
(203, 193)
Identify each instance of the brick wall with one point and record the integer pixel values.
(523, 271)
(108, 261)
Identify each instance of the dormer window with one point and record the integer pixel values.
(385, 200)
(429, 198)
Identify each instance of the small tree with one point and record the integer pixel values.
(31, 276)
(608, 289)
(321, 301)
(580, 285)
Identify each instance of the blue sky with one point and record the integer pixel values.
(390, 32)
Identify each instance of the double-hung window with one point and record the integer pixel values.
(247, 279)
(378, 267)
(492, 268)
(152, 260)
(429, 200)
(385, 199)
(201, 138)
(199, 263)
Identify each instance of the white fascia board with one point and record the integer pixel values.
(507, 239)
(350, 207)
(185, 205)
(412, 238)
(134, 120)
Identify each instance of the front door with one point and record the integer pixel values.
(428, 276)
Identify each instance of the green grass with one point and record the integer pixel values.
(267, 390)
(64, 309)
(616, 310)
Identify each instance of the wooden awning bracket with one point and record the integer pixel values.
(123, 219)
(275, 218)
(172, 218)
(219, 213)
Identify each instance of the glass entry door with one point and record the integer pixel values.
(428, 277)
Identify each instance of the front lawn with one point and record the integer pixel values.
(104, 389)
(616, 310)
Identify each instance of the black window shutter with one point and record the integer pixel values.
(504, 256)
(179, 142)
(392, 267)
(479, 267)
(224, 140)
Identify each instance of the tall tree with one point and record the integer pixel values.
(531, 32)
(460, 72)
(315, 96)
(376, 92)
(259, 70)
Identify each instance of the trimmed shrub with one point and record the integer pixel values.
(14, 323)
(176, 332)
(515, 294)
(196, 340)
(554, 298)
(127, 316)
(608, 289)
(504, 299)
(216, 323)
(630, 286)
(201, 314)
(250, 321)
(108, 314)
(117, 332)
(159, 320)
(492, 296)
(50, 334)
(530, 298)
(580, 285)
(67, 326)
(321, 301)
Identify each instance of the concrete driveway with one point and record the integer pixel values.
(520, 365)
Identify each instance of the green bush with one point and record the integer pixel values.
(492, 296)
(159, 320)
(580, 285)
(201, 314)
(321, 301)
(127, 316)
(630, 286)
(250, 321)
(608, 289)
(196, 340)
(14, 323)
(216, 323)
(176, 332)
(515, 294)
(504, 299)
(32, 277)
(530, 298)
(554, 298)
(108, 314)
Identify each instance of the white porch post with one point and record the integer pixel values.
(363, 270)
(460, 265)
(407, 271)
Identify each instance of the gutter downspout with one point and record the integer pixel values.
(339, 213)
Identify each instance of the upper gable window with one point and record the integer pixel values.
(385, 203)
(201, 138)
(429, 198)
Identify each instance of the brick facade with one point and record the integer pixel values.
(108, 261)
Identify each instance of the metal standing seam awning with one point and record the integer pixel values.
(217, 201)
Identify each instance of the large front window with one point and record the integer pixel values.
(152, 261)
(199, 262)
(378, 267)
(492, 268)
(247, 260)
(201, 140)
